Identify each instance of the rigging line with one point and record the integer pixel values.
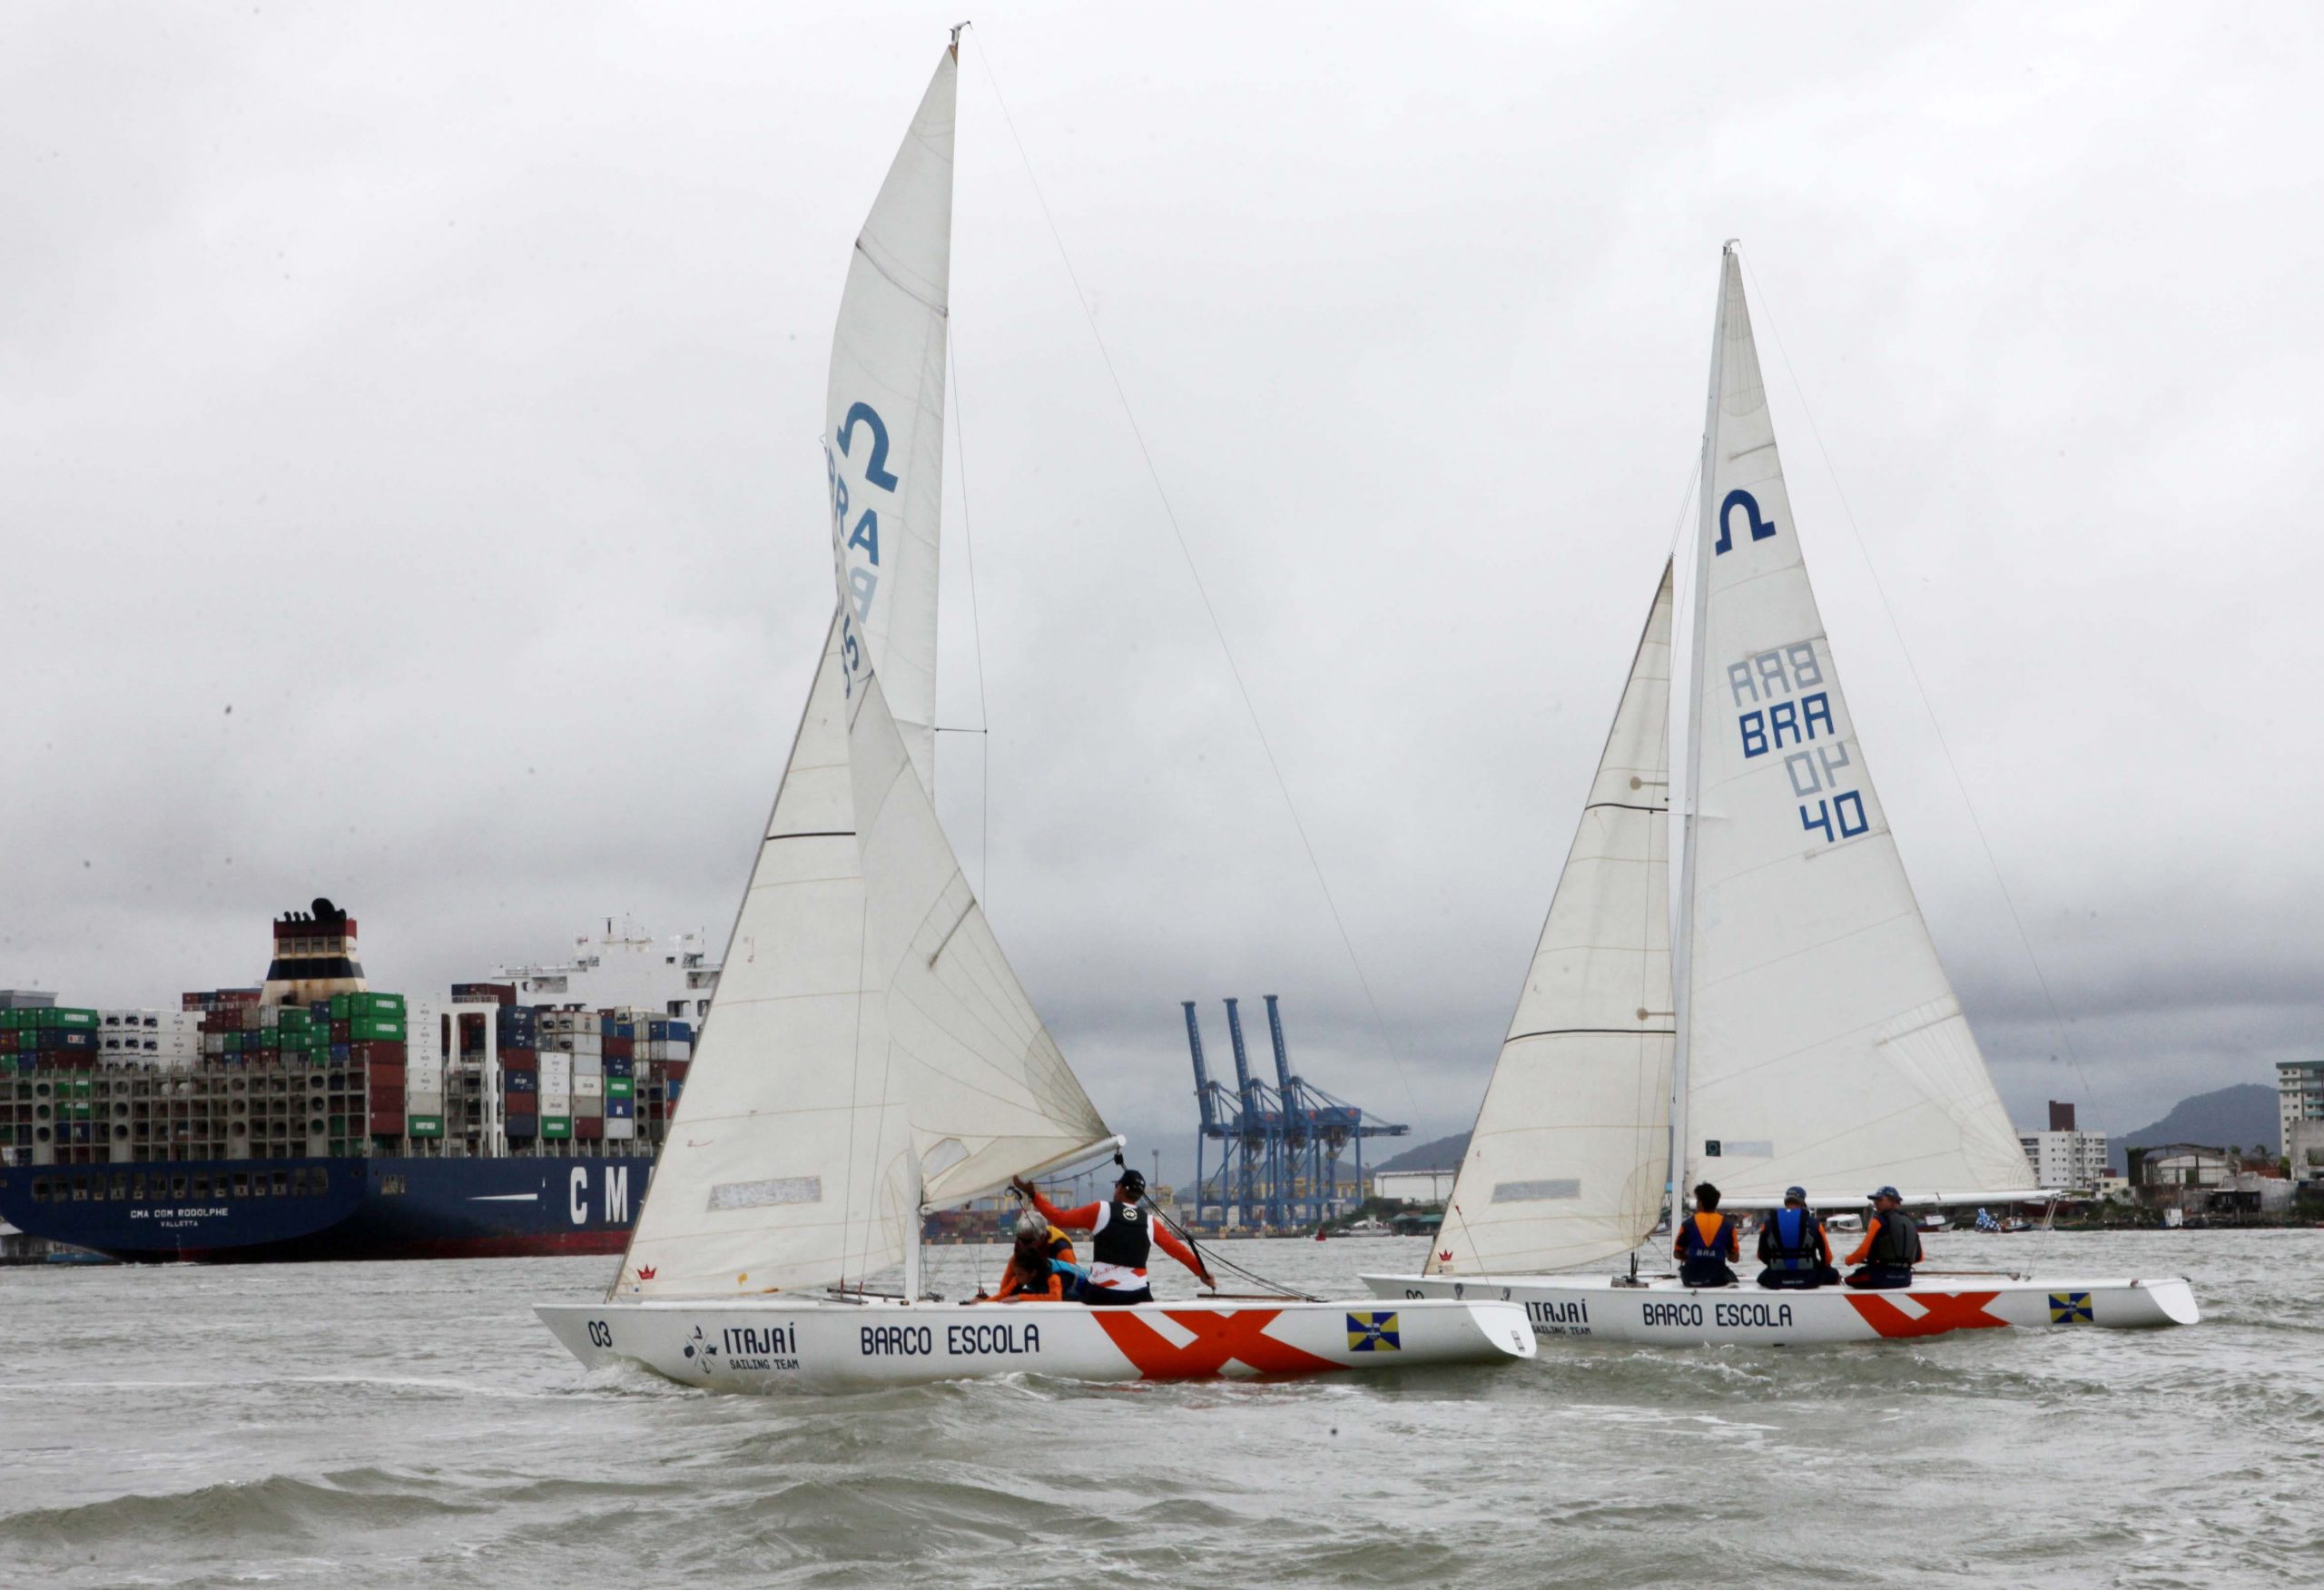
(1169, 513)
(976, 624)
(1911, 669)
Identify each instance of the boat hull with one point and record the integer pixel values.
(1663, 1312)
(772, 1345)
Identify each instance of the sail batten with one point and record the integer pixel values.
(1565, 1164)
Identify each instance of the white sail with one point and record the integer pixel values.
(986, 1092)
(870, 1051)
(1565, 1165)
(781, 1162)
(883, 435)
(1823, 1044)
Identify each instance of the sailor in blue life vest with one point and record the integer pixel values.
(1891, 1245)
(1793, 1248)
(1705, 1241)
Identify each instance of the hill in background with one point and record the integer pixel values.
(1443, 1154)
(2243, 1116)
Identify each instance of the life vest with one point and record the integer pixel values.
(1119, 1247)
(1792, 1247)
(1897, 1242)
(1702, 1260)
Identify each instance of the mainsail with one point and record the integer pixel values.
(1822, 1043)
(883, 421)
(1565, 1166)
(870, 1051)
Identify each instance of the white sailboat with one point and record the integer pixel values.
(1807, 1033)
(872, 1055)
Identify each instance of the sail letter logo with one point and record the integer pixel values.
(1760, 529)
(855, 540)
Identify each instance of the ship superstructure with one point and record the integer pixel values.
(313, 1117)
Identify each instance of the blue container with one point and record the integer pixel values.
(681, 1032)
(621, 1109)
(341, 1053)
(520, 1082)
(620, 1065)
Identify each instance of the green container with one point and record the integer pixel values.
(374, 1029)
(339, 1007)
(372, 1005)
(558, 1126)
(621, 1087)
(294, 1020)
(424, 1126)
(73, 1018)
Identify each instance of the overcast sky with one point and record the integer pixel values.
(410, 492)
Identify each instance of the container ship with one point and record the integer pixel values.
(312, 1118)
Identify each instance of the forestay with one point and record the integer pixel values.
(883, 433)
(1824, 1044)
(1566, 1163)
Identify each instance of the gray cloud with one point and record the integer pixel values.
(439, 388)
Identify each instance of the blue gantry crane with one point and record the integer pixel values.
(1279, 1147)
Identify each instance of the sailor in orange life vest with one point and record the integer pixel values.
(1121, 1235)
(1705, 1242)
(1040, 1266)
(1891, 1245)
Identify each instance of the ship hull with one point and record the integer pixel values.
(205, 1212)
(1661, 1312)
(765, 1345)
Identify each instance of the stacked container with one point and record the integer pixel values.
(555, 1094)
(518, 1036)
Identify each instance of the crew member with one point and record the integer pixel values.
(1705, 1241)
(1793, 1246)
(1891, 1245)
(1121, 1236)
(1040, 1265)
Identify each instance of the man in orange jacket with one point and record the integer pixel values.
(1121, 1236)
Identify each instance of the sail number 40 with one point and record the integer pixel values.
(1786, 711)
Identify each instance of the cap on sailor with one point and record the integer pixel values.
(1890, 1192)
(1790, 1193)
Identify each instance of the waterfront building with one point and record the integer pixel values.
(2300, 1096)
(2065, 1156)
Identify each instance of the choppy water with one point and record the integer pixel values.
(409, 1424)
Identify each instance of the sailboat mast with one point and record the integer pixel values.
(1682, 941)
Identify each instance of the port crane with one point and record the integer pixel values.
(1279, 1144)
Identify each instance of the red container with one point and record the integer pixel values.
(387, 1100)
(339, 1031)
(386, 1125)
(193, 1002)
(377, 1052)
(477, 993)
(519, 1060)
(621, 1048)
(675, 1069)
(239, 996)
(589, 1126)
(386, 1073)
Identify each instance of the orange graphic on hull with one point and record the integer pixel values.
(1941, 1312)
(1219, 1339)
